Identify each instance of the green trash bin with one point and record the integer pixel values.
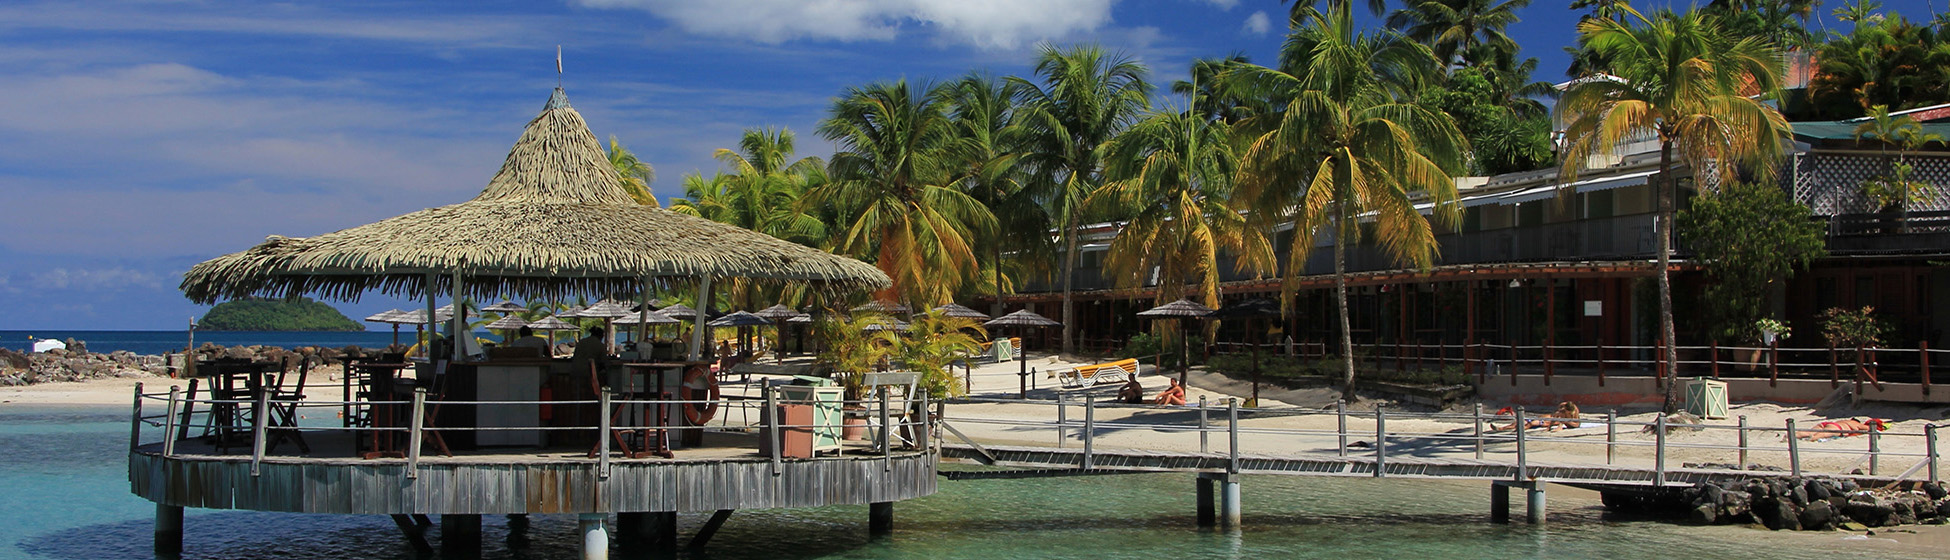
(1706, 398)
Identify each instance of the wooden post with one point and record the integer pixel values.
(416, 433)
(1929, 449)
(772, 430)
(169, 530)
(885, 441)
(1611, 436)
(1513, 363)
(1476, 414)
(1089, 429)
(1794, 449)
(1659, 454)
(169, 423)
(1380, 442)
(1601, 361)
(1875, 449)
(260, 412)
(1773, 362)
(1743, 442)
(1232, 436)
(1340, 413)
(1922, 351)
(1401, 325)
(603, 432)
(1062, 416)
(1523, 465)
(1203, 425)
(135, 421)
(1469, 331)
(1713, 356)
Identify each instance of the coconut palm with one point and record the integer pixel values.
(891, 184)
(1882, 61)
(637, 175)
(1347, 143)
(761, 194)
(1212, 101)
(1457, 29)
(1681, 80)
(1893, 189)
(987, 158)
(935, 340)
(1086, 97)
(1173, 172)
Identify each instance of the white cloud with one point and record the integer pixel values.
(103, 279)
(1257, 24)
(1224, 4)
(999, 24)
(268, 19)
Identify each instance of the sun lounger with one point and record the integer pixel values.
(1097, 374)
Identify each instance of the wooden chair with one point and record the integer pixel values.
(284, 410)
(878, 383)
(436, 394)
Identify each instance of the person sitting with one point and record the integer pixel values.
(1132, 392)
(1171, 396)
(525, 338)
(1563, 418)
(594, 347)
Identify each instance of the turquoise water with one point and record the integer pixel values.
(64, 495)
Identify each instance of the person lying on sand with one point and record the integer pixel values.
(1845, 427)
(1565, 417)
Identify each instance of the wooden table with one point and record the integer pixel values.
(383, 385)
(655, 428)
(228, 422)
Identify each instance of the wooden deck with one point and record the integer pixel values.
(725, 473)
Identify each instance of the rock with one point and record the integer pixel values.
(1704, 514)
(1799, 494)
(1734, 506)
(1778, 513)
(1816, 490)
(1848, 486)
(1869, 510)
(1943, 507)
(1935, 490)
(1818, 516)
(1852, 526)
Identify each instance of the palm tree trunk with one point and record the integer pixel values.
(1662, 227)
(1340, 293)
(997, 310)
(1069, 275)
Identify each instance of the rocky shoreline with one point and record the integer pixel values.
(76, 363)
(1796, 503)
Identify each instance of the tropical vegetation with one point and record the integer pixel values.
(259, 314)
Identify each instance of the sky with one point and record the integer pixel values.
(140, 137)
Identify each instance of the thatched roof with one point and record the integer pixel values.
(552, 324)
(739, 319)
(646, 317)
(679, 311)
(387, 316)
(883, 307)
(780, 311)
(1023, 318)
(507, 323)
(505, 307)
(554, 221)
(1181, 309)
(959, 310)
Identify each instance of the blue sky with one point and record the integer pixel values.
(138, 138)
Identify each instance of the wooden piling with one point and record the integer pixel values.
(460, 535)
(1794, 449)
(880, 518)
(169, 530)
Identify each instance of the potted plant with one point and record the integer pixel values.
(851, 350)
(1893, 193)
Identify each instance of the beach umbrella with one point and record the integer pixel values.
(505, 307)
(740, 319)
(644, 319)
(552, 324)
(608, 310)
(1250, 310)
(679, 311)
(1022, 320)
(957, 310)
(883, 307)
(885, 324)
(555, 220)
(392, 316)
(780, 314)
(1181, 310)
(507, 324)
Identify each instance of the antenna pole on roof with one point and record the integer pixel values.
(558, 67)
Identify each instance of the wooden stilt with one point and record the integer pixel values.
(169, 530)
(710, 528)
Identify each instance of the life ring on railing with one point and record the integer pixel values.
(699, 384)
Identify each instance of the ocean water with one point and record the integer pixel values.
(158, 342)
(64, 495)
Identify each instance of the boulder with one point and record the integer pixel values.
(1869, 510)
(1935, 490)
(1818, 516)
(1782, 515)
(1816, 490)
(1704, 514)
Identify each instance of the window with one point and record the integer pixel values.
(1600, 204)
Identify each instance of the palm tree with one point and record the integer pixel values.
(1455, 29)
(987, 153)
(1348, 143)
(1885, 61)
(636, 174)
(1893, 189)
(891, 183)
(1682, 80)
(1086, 98)
(1173, 172)
(1212, 101)
(935, 340)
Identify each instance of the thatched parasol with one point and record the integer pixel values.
(1022, 320)
(885, 324)
(507, 324)
(1250, 310)
(740, 319)
(883, 307)
(505, 307)
(1181, 310)
(647, 318)
(679, 311)
(552, 324)
(553, 222)
(958, 310)
(393, 316)
(780, 314)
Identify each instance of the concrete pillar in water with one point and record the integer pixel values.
(1499, 502)
(1229, 502)
(880, 518)
(1534, 505)
(460, 535)
(517, 530)
(595, 538)
(1206, 514)
(169, 529)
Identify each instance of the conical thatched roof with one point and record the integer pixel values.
(1248, 309)
(780, 311)
(505, 307)
(554, 221)
(1023, 318)
(605, 310)
(883, 307)
(651, 317)
(679, 311)
(507, 323)
(1181, 309)
(552, 324)
(959, 310)
(739, 319)
(387, 316)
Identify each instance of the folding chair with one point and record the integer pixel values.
(884, 383)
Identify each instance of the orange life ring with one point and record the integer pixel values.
(698, 382)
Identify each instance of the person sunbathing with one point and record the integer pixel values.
(1171, 396)
(1131, 393)
(1845, 427)
(1565, 417)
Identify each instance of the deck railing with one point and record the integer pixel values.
(266, 424)
(1464, 436)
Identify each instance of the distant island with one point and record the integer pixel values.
(300, 314)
